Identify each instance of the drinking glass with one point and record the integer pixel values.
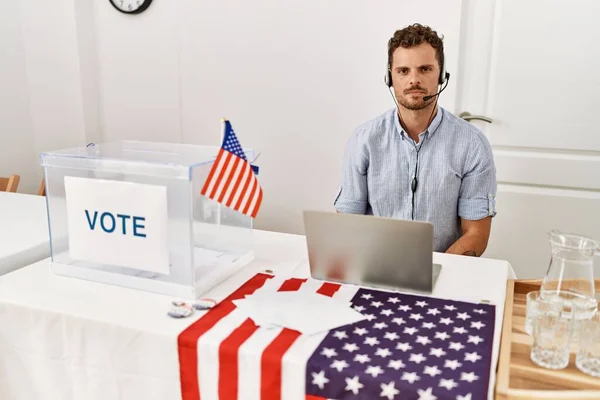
(588, 353)
(552, 333)
(536, 304)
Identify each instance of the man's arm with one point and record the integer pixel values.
(475, 237)
(476, 202)
(353, 192)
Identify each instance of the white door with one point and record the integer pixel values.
(533, 68)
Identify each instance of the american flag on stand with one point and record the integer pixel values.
(409, 347)
(232, 180)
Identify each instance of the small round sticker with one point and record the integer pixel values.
(204, 304)
(180, 309)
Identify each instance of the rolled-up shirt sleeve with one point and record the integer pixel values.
(352, 196)
(477, 196)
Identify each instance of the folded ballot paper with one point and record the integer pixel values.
(305, 312)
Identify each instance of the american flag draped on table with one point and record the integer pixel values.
(232, 180)
(409, 347)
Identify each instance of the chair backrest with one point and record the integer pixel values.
(10, 184)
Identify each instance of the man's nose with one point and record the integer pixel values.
(414, 78)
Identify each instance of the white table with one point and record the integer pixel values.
(23, 230)
(63, 338)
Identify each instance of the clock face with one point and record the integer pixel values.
(131, 6)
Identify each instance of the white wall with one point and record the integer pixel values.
(41, 95)
(16, 130)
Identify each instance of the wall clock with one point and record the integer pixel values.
(131, 6)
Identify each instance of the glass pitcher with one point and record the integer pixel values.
(570, 274)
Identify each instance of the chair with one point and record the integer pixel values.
(9, 184)
(42, 189)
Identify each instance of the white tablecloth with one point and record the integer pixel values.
(23, 230)
(63, 338)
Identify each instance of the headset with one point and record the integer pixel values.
(442, 80)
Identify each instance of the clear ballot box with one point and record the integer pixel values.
(131, 213)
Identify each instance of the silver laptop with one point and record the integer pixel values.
(371, 251)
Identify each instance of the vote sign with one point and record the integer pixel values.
(118, 223)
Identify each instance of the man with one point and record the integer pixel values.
(419, 161)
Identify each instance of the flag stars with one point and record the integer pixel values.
(449, 307)
(383, 353)
(380, 325)
(452, 364)
(410, 377)
(398, 321)
(353, 385)
(480, 311)
(446, 321)
(391, 336)
(475, 339)
(432, 371)
(424, 340)
(460, 330)
(421, 304)
(473, 357)
(426, 394)
(394, 300)
(340, 335)
(433, 311)
(359, 308)
(362, 358)
(319, 379)
(438, 352)
(389, 390)
(387, 312)
(469, 377)
(404, 347)
(410, 330)
(374, 370)
(417, 358)
(442, 335)
(396, 364)
(339, 365)
(360, 331)
(456, 346)
(405, 308)
(416, 317)
(448, 384)
(371, 341)
(350, 347)
(367, 296)
(329, 352)
(463, 316)
(477, 325)
(428, 325)
(376, 304)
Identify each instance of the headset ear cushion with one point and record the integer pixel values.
(387, 79)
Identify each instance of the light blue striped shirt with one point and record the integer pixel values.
(456, 174)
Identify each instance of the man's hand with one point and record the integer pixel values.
(475, 237)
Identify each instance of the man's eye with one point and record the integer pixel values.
(403, 71)
(426, 69)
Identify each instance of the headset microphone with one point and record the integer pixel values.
(427, 98)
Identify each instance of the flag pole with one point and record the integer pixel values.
(222, 136)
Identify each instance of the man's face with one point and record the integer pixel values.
(415, 74)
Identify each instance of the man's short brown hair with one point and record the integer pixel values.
(414, 35)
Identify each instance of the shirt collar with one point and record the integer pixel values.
(433, 126)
